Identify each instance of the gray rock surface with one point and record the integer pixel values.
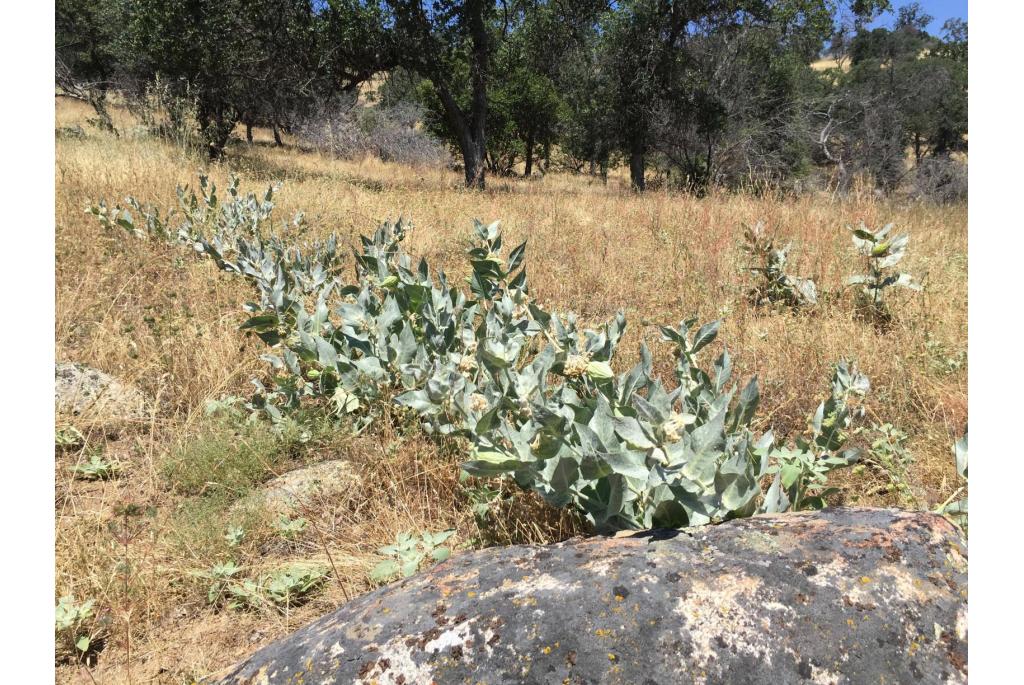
(838, 596)
(291, 491)
(79, 389)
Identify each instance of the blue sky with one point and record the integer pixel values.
(941, 10)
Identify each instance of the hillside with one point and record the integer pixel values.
(155, 317)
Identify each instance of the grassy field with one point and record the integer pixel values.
(824, 63)
(154, 316)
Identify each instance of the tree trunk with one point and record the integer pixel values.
(248, 132)
(217, 125)
(473, 147)
(593, 167)
(277, 136)
(98, 100)
(529, 156)
(478, 78)
(547, 156)
(474, 161)
(636, 168)
(469, 127)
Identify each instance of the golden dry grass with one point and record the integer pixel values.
(829, 63)
(167, 322)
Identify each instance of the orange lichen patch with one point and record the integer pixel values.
(524, 601)
(451, 583)
(883, 540)
(939, 528)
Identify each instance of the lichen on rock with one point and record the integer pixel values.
(837, 596)
(79, 389)
(291, 492)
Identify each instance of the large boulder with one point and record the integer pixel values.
(79, 389)
(838, 596)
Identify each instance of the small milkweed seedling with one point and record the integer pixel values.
(76, 625)
(289, 586)
(235, 535)
(97, 468)
(222, 577)
(409, 552)
(289, 528)
(286, 587)
(769, 263)
(882, 253)
(68, 437)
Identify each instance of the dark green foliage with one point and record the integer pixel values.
(905, 89)
(86, 62)
(679, 83)
(256, 62)
(695, 94)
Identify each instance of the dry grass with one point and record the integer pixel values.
(153, 316)
(828, 63)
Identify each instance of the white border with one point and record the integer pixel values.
(26, 394)
(996, 380)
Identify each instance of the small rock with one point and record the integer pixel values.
(290, 492)
(79, 390)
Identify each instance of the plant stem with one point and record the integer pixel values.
(949, 499)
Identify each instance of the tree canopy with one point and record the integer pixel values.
(696, 93)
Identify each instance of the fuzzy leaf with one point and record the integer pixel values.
(629, 429)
